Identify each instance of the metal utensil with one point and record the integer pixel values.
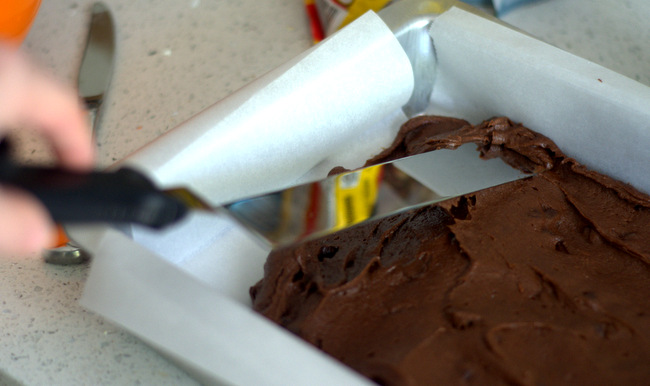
(97, 64)
(315, 209)
(279, 218)
(93, 81)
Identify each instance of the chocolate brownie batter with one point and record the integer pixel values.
(544, 280)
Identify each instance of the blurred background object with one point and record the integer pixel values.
(16, 17)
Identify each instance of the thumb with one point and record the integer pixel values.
(25, 225)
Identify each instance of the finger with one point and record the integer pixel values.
(56, 112)
(12, 75)
(25, 226)
(31, 98)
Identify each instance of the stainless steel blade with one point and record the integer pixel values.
(96, 67)
(337, 202)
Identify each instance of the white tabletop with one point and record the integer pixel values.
(174, 59)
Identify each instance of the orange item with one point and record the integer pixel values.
(16, 17)
(61, 239)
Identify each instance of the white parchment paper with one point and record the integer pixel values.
(292, 119)
(593, 114)
(185, 291)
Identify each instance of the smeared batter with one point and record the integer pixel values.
(544, 280)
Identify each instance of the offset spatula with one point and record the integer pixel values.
(279, 218)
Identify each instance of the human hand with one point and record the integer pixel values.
(32, 100)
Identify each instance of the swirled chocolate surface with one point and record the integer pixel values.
(540, 281)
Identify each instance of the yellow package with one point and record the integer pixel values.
(356, 195)
(327, 16)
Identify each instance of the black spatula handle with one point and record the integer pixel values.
(120, 196)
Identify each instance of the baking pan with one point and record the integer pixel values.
(185, 290)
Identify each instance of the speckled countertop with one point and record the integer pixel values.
(174, 59)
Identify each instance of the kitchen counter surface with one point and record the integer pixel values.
(174, 59)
